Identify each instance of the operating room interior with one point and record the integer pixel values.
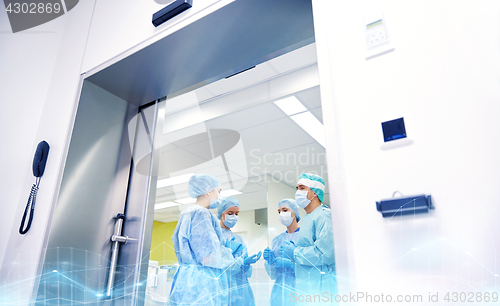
(258, 147)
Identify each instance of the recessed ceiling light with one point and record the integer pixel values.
(311, 125)
(186, 201)
(291, 105)
(223, 194)
(176, 180)
(229, 192)
(165, 205)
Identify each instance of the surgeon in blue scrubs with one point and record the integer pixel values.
(205, 260)
(281, 269)
(313, 253)
(240, 291)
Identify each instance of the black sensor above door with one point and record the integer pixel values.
(171, 11)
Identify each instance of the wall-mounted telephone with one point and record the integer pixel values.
(39, 161)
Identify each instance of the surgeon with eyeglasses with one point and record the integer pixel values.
(279, 268)
(240, 291)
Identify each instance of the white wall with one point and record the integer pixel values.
(53, 110)
(443, 78)
(26, 63)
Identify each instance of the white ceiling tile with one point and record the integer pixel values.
(317, 112)
(247, 118)
(203, 93)
(274, 137)
(293, 82)
(293, 60)
(310, 97)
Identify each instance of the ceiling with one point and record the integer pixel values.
(247, 141)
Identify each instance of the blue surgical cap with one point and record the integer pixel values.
(226, 204)
(199, 184)
(290, 203)
(315, 182)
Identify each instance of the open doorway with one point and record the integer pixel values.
(256, 131)
(212, 98)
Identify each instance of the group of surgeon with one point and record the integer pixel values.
(214, 265)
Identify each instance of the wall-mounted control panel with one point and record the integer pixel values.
(394, 129)
(376, 35)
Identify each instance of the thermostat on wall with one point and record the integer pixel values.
(376, 35)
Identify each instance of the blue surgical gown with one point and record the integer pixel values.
(315, 260)
(204, 262)
(240, 292)
(284, 277)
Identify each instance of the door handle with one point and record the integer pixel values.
(122, 239)
(117, 238)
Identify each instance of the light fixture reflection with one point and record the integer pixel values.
(304, 118)
(176, 180)
(311, 125)
(165, 205)
(229, 193)
(291, 105)
(184, 201)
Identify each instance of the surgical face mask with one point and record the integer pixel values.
(286, 218)
(301, 198)
(215, 203)
(230, 220)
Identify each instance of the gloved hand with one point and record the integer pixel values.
(245, 268)
(252, 259)
(282, 263)
(235, 246)
(269, 256)
(288, 249)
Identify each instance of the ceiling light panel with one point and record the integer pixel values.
(186, 201)
(311, 125)
(165, 205)
(229, 193)
(176, 180)
(291, 105)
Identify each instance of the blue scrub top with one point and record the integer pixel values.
(240, 291)
(200, 278)
(315, 254)
(284, 283)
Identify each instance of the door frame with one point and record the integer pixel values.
(274, 42)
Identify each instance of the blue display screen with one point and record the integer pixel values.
(394, 129)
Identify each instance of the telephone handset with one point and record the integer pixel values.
(41, 154)
(39, 162)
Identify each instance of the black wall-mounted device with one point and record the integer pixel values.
(41, 154)
(394, 129)
(39, 162)
(171, 10)
(405, 205)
